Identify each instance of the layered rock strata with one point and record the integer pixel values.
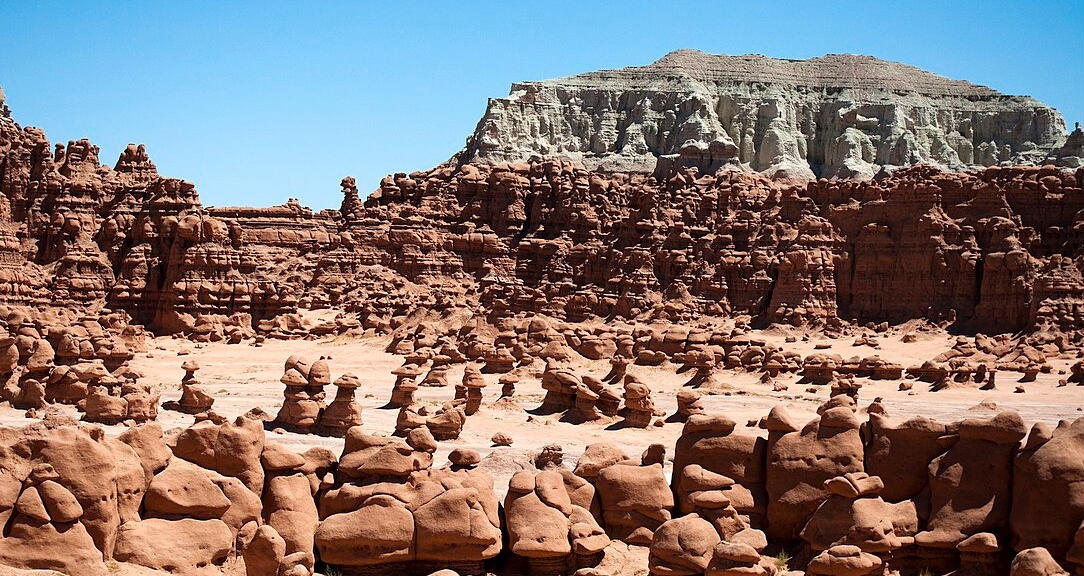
(838, 115)
(994, 250)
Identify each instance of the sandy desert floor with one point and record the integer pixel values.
(244, 376)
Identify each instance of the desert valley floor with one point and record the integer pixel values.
(245, 376)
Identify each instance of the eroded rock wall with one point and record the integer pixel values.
(993, 250)
(996, 250)
(79, 234)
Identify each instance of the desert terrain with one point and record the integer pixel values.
(244, 377)
(716, 315)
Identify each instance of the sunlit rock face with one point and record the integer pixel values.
(838, 115)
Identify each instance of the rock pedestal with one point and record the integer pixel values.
(194, 399)
(560, 386)
(438, 373)
(508, 385)
(688, 404)
(344, 411)
(304, 394)
(619, 365)
(583, 408)
(471, 389)
(639, 408)
(500, 360)
(402, 392)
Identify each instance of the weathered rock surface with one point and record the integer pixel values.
(76, 501)
(993, 250)
(838, 115)
(391, 509)
(986, 250)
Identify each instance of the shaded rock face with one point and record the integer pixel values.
(799, 463)
(547, 523)
(1053, 459)
(963, 504)
(392, 511)
(738, 460)
(839, 115)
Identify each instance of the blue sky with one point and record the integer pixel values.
(259, 102)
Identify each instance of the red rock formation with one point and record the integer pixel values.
(91, 235)
(991, 250)
(74, 499)
(635, 500)
(1051, 516)
(963, 505)
(961, 246)
(800, 461)
(546, 528)
(711, 443)
(377, 517)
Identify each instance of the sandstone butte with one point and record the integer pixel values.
(721, 315)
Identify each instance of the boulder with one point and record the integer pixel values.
(186, 546)
(635, 501)
(1048, 488)
(682, 547)
(964, 503)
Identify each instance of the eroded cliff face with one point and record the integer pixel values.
(75, 233)
(993, 250)
(838, 115)
(997, 250)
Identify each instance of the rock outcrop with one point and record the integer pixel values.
(198, 501)
(992, 250)
(839, 115)
(986, 250)
(390, 510)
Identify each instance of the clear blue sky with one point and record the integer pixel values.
(259, 102)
